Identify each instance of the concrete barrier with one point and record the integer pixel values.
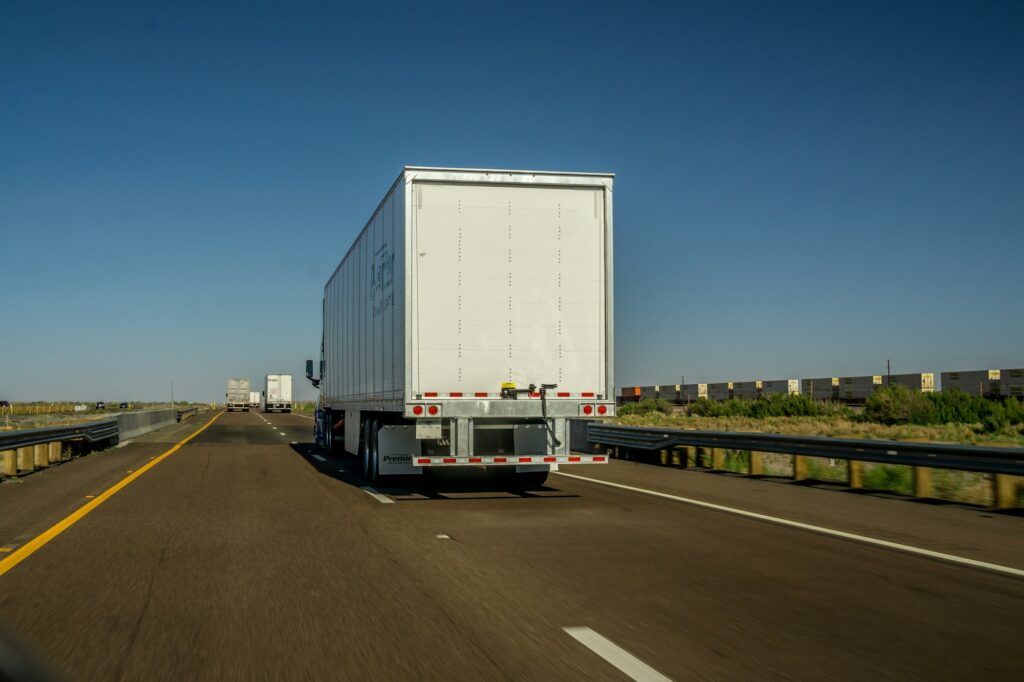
(134, 424)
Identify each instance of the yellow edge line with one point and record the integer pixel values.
(29, 548)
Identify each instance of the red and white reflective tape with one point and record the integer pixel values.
(484, 394)
(510, 459)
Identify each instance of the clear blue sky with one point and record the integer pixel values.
(802, 188)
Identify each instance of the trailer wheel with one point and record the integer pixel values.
(374, 461)
(364, 447)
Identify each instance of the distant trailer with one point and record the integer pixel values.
(669, 392)
(858, 388)
(781, 387)
(923, 382)
(720, 391)
(691, 393)
(747, 390)
(822, 388)
(1011, 383)
(980, 382)
(648, 392)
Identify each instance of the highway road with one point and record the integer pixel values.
(247, 554)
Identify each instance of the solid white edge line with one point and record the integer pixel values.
(380, 497)
(319, 458)
(627, 663)
(998, 568)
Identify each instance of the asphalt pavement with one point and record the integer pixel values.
(248, 554)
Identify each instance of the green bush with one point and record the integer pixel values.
(770, 406)
(899, 405)
(646, 407)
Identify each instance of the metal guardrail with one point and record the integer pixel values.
(92, 432)
(673, 448)
(191, 411)
(936, 455)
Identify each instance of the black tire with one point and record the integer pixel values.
(364, 446)
(373, 475)
(528, 480)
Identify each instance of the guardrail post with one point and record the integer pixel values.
(1004, 490)
(10, 462)
(41, 455)
(54, 452)
(855, 473)
(678, 457)
(25, 459)
(756, 467)
(922, 482)
(800, 469)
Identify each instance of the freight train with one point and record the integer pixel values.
(989, 383)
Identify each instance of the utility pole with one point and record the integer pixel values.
(172, 395)
(888, 372)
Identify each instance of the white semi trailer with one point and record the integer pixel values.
(469, 322)
(254, 399)
(237, 395)
(277, 393)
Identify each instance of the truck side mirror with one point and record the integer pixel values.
(309, 369)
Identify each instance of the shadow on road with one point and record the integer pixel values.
(455, 483)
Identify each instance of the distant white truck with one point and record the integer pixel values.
(237, 396)
(254, 399)
(277, 393)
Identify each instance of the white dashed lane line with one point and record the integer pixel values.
(383, 499)
(627, 663)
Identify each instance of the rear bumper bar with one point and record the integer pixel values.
(510, 459)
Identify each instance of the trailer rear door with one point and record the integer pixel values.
(509, 285)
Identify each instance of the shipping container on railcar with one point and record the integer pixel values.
(979, 382)
(747, 390)
(822, 388)
(1011, 383)
(648, 392)
(628, 394)
(781, 387)
(858, 388)
(669, 392)
(923, 382)
(720, 391)
(691, 393)
(469, 322)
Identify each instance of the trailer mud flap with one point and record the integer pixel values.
(396, 447)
